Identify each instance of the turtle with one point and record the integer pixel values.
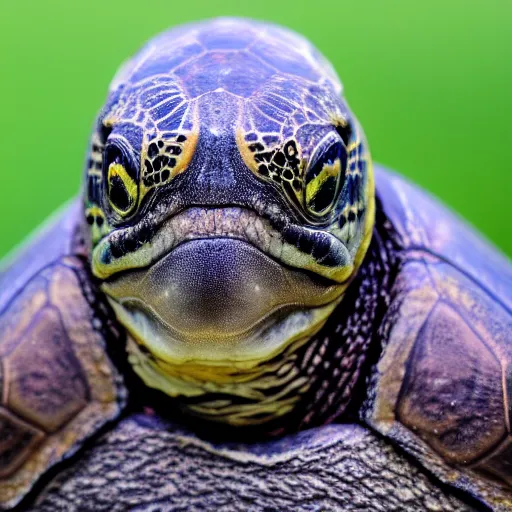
(242, 311)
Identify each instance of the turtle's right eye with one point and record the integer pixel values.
(325, 175)
(121, 184)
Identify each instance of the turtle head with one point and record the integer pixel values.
(230, 204)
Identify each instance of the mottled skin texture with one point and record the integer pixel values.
(140, 466)
(418, 352)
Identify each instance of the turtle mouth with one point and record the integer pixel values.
(219, 299)
(222, 284)
(296, 246)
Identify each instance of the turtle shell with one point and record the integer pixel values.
(443, 386)
(337, 467)
(57, 385)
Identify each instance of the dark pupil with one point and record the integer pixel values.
(325, 195)
(329, 189)
(119, 195)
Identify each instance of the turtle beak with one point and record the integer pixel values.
(210, 296)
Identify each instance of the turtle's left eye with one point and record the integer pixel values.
(121, 184)
(325, 175)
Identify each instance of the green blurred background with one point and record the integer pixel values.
(431, 82)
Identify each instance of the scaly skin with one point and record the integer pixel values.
(230, 198)
(142, 467)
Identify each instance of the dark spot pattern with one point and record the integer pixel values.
(278, 164)
(162, 158)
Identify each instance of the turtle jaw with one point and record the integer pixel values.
(215, 300)
(316, 251)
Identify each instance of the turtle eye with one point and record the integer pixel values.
(122, 186)
(325, 175)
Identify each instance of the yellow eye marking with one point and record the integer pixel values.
(173, 157)
(188, 147)
(129, 184)
(122, 201)
(315, 185)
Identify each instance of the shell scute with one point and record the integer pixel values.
(239, 73)
(235, 55)
(174, 120)
(17, 440)
(452, 394)
(21, 313)
(499, 463)
(58, 386)
(163, 108)
(160, 90)
(262, 122)
(442, 389)
(46, 382)
(166, 59)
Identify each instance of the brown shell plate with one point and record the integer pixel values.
(57, 385)
(444, 380)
